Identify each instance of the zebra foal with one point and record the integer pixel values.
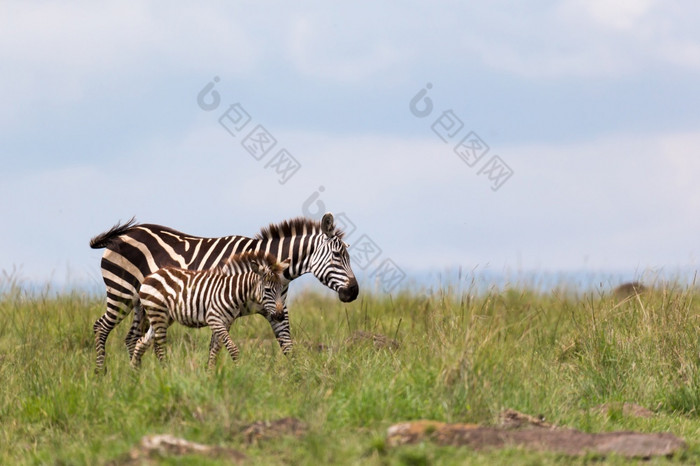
(246, 283)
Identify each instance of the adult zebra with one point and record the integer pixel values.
(135, 250)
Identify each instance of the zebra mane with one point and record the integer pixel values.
(244, 262)
(293, 227)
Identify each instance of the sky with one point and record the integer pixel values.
(542, 136)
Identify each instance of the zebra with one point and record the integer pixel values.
(132, 251)
(243, 284)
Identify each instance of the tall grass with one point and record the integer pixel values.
(461, 357)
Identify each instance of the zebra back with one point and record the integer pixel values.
(188, 296)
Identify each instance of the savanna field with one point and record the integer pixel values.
(456, 356)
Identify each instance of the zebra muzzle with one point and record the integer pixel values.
(278, 315)
(349, 292)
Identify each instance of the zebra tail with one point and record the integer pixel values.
(103, 240)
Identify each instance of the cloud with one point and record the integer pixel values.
(61, 52)
(622, 15)
(322, 47)
(610, 202)
(590, 39)
(619, 202)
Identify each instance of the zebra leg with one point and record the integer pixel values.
(220, 331)
(117, 308)
(281, 331)
(160, 334)
(138, 328)
(141, 346)
(214, 347)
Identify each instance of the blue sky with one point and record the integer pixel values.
(591, 105)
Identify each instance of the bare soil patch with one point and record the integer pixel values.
(267, 430)
(378, 340)
(627, 409)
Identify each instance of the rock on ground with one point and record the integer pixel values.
(521, 430)
(153, 447)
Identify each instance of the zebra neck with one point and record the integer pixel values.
(297, 248)
(241, 288)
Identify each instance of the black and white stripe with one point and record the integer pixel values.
(244, 284)
(133, 251)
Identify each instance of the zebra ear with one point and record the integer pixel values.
(284, 265)
(327, 226)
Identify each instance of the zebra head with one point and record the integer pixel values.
(330, 262)
(270, 286)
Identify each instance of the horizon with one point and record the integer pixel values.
(477, 281)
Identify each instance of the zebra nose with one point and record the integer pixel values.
(349, 293)
(279, 308)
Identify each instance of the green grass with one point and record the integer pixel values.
(462, 358)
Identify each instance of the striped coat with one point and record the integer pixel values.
(133, 251)
(244, 284)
